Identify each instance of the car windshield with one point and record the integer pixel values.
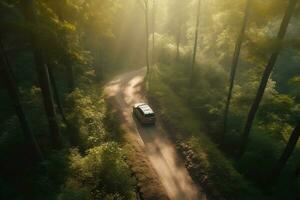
(150, 115)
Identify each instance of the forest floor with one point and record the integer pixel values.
(160, 153)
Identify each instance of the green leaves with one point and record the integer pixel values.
(103, 172)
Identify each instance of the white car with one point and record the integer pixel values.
(144, 113)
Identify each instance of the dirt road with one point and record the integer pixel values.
(126, 91)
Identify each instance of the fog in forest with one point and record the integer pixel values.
(149, 99)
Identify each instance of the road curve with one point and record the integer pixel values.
(126, 91)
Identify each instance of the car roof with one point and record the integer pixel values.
(145, 108)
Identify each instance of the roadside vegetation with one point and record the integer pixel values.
(224, 76)
(235, 74)
(213, 171)
(193, 98)
(97, 167)
(58, 139)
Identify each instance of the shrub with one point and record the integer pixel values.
(220, 171)
(86, 113)
(102, 172)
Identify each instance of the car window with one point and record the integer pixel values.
(150, 115)
(140, 111)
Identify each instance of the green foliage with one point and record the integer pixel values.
(294, 84)
(273, 125)
(220, 171)
(87, 112)
(69, 33)
(102, 171)
(99, 37)
(74, 194)
(206, 96)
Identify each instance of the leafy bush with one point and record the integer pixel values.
(206, 98)
(97, 168)
(86, 110)
(102, 172)
(220, 171)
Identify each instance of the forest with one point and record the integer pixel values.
(222, 76)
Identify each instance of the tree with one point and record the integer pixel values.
(146, 12)
(56, 93)
(43, 75)
(70, 76)
(266, 75)
(177, 9)
(153, 31)
(13, 91)
(286, 153)
(297, 172)
(58, 8)
(178, 39)
(195, 43)
(234, 65)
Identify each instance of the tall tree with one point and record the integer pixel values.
(153, 31)
(147, 35)
(234, 65)
(63, 4)
(195, 43)
(297, 172)
(177, 9)
(70, 76)
(13, 91)
(178, 39)
(145, 5)
(286, 153)
(29, 11)
(266, 75)
(56, 93)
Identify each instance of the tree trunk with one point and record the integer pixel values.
(286, 153)
(44, 83)
(297, 172)
(265, 78)
(153, 32)
(70, 77)
(43, 76)
(234, 65)
(56, 94)
(13, 92)
(195, 44)
(147, 37)
(178, 42)
(97, 73)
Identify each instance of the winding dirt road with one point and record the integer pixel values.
(126, 91)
